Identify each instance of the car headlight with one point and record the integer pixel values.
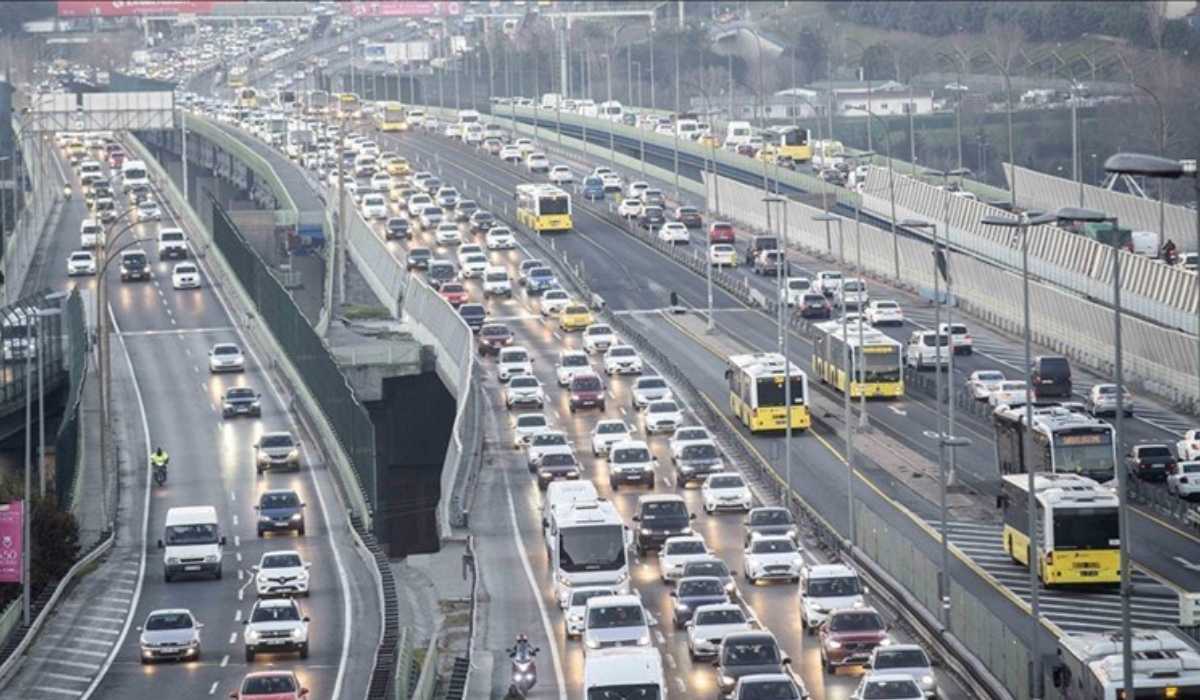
(228, 406)
(623, 577)
(297, 632)
(294, 455)
(728, 680)
(792, 533)
(682, 607)
(927, 681)
(833, 644)
(251, 635)
(172, 560)
(210, 559)
(264, 519)
(647, 531)
(592, 643)
(644, 640)
(730, 586)
(297, 516)
(885, 641)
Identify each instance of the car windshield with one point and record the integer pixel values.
(420, 253)
(685, 547)
(611, 429)
(700, 587)
(630, 454)
(574, 361)
(226, 350)
(622, 352)
(523, 382)
(726, 482)
(833, 587)
(769, 690)
(582, 597)
(990, 377)
(281, 561)
(541, 272)
(606, 616)
(275, 613)
(600, 330)
(856, 621)
(191, 534)
(773, 546)
(473, 310)
(279, 500)
(240, 393)
(268, 685)
(656, 510)
(279, 440)
(586, 383)
(725, 616)
(902, 658)
(772, 516)
(549, 439)
(751, 653)
(690, 452)
(168, 621)
(517, 356)
(891, 690)
(531, 422)
(497, 331)
(663, 407)
(714, 567)
(558, 459)
(651, 384)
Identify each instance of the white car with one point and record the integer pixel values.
(615, 621)
(537, 163)
(447, 233)
(630, 461)
(500, 238)
(469, 249)
(431, 216)
(636, 188)
(543, 443)
(185, 275)
(226, 357)
(622, 359)
(677, 551)
(722, 254)
(772, 557)
(561, 175)
(524, 146)
(884, 312)
(416, 204)
(726, 491)
(282, 572)
(510, 154)
(611, 180)
(81, 262)
(374, 206)
(524, 390)
(473, 266)
(149, 211)
(675, 233)
(661, 416)
(908, 659)
(825, 588)
(275, 625)
(709, 626)
(381, 181)
(687, 435)
(895, 686)
(648, 389)
(983, 382)
(512, 361)
(526, 425)
(599, 337)
(446, 198)
(828, 281)
(1185, 480)
(630, 208)
(571, 362)
(960, 339)
(607, 433)
(1009, 393)
(496, 281)
(576, 607)
(1188, 449)
(553, 301)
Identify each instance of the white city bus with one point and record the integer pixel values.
(587, 542)
(1089, 667)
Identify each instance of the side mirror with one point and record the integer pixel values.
(691, 516)
(673, 594)
(306, 618)
(160, 544)
(636, 519)
(733, 572)
(545, 523)
(254, 568)
(245, 622)
(787, 659)
(302, 505)
(866, 591)
(716, 663)
(222, 540)
(308, 565)
(138, 628)
(234, 695)
(199, 625)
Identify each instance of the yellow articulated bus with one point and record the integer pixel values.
(792, 142)
(237, 76)
(758, 392)
(874, 360)
(247, 98)
(391, 116)
(1077, 518)
(543, 208)
(348, 105)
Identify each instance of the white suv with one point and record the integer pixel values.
(282, 572)
(496, 282)
(922, 350)
(514, 361)
(276, 625)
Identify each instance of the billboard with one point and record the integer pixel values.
(399, 8)
(11, 528)
(127, 8)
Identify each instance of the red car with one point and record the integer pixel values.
(454, 293)
(849, 635)
(270, 685)
(116, 159)
(720, 232)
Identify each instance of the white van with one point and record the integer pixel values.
(737, 133)
(496, 282)
(559, 495)
(687, 129)
(91, 234)
(921, 351)
(192, 543)
(796, 288)
(90, 171)
(134, 174)
(611, 111)
(1146, 243)
(615, 621)
(624, 672)
(473, 134)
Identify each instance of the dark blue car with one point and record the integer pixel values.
(280, 510)
(541, 279)
(593, 188)
(693, 592)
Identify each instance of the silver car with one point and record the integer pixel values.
(170, 634)
(1102, 399)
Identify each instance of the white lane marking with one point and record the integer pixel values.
(181, 331)
(897, 410)
(233, 638)
(137, 593)
(239, 556)
(212, 690)
(235, 522)
(237, 615)
(224, 660)
(237, 540)
(512, 514)
(59, 691)
(67, 677)
(670, 658)
(62, 662)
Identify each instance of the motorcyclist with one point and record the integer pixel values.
(159, 458)
(521, 650)
(67, 191)
(1169, 252)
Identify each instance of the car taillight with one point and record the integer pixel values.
(1049, 558)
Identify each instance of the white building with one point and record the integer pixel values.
(880, 97)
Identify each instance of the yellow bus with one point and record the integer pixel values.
(391, 116)
(348, 105)
(758, 393)
(543, 208)
(247, 98)
(1077, 518)
(874, 361)
(237, 76)
(791, 142)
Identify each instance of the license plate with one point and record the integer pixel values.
(275, 641)
(192, 567)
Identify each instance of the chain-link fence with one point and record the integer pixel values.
(351, 423)
(66, 443)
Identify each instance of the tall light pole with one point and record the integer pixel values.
(1008, 100)
(782, 343)
(676, 129)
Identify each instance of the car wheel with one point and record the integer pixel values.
(602, 406)
(166, 577)
(249, 655)
(650, 482)
(614, 486)
(260, 532)
(300, 532)
(304, 650)
(829, 667)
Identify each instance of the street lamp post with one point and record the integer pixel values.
(838, 220)
(781, 303)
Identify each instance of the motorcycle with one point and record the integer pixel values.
(524, 671)
(160, 472)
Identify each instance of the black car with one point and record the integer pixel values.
(482, 222)
(397, 227)
(689, 216)
(1051, 376)
(241, 401)
(492, 337)
(1151, 462)
(660, 517)
(441, 272)
(693, 592)
(815, 305)
(465, 209)
(474, 315)
(419, 258)
(715, 568)
(134, 266)
(770, 520)
(280, 510)
(745, 654)
(696, 461)
(557, 465)
(651, 217)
